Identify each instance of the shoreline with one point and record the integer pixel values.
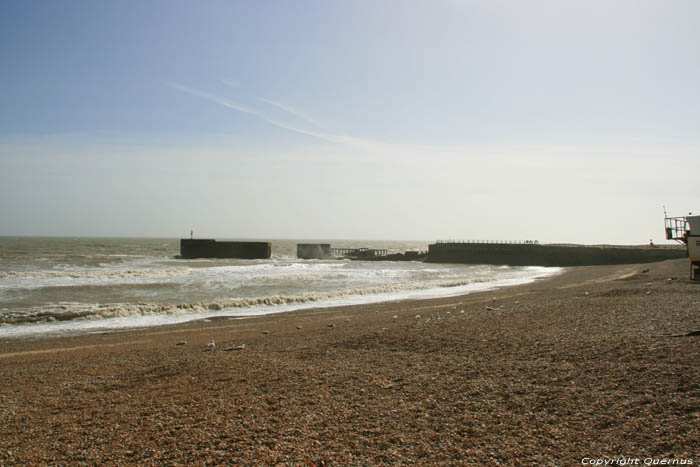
(583, 365)
(349, 298)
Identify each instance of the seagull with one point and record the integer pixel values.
(210, 346)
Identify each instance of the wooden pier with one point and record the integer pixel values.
(358, 252)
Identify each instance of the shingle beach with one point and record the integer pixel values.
(596, 363)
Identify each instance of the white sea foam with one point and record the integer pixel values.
(77, 277)
(77, 317)
(72, 291)
(94, 273)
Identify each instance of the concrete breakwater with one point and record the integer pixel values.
(532, 254)
(513, 254)
(208, 248)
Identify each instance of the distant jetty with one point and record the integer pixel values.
(208, 248)
(325, 251)
(534, 254)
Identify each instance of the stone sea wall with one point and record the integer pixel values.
(547, 255)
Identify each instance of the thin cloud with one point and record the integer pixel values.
(214, 98)
(330, 137)
(293, 111)
(287, 108)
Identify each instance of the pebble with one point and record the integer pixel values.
(394, 317)
(266, 332)
(182, 342)
(331, 325)
(299, 326)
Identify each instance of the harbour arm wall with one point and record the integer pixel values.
(513, 254)
(532, 254)
(208, 248)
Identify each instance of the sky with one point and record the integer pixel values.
(549, 120)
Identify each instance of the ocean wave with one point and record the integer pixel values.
(95, 274)
(76, 311)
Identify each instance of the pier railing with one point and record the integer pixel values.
(491, 242)
(359, 252)
(677, 228)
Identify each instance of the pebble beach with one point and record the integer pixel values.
(594, 363)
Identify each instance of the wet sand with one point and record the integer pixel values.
(594, 363)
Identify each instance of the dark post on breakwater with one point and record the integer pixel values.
(208, 248)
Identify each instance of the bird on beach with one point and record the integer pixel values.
(210, 346)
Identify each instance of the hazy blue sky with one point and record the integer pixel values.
(552, 120)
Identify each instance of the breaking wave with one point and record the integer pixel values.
(69, 312)
(95, 274)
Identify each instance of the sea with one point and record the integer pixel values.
(78, 285)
